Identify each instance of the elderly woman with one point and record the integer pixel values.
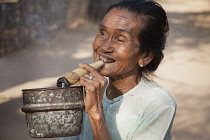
(121, 103)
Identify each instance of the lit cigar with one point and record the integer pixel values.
(72, 77)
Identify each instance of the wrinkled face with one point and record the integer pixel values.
(116, 43)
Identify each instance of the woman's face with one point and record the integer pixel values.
(116, 43)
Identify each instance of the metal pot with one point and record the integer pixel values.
(53, 112)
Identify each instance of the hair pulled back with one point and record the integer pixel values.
(153, 34)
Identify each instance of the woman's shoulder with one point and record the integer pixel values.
(156, 93)
(152, 97)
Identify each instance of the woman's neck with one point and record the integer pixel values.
(120, 85)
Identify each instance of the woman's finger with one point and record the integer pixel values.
(90, 69)
(90, 85)
(102, 80)
(92, 81)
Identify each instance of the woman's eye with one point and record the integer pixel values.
(102, 32)
(121, 39)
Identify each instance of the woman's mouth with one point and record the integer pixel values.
(106, 60)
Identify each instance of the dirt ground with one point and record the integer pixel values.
(184, 72)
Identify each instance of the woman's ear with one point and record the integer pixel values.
(145, 58)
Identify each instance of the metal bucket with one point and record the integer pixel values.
(53, 112)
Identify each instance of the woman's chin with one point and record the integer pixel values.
(104, 73)
(109, 69)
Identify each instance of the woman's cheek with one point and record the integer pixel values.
(97, 43)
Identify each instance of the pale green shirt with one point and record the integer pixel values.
(145, 112)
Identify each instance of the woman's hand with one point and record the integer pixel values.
(94, 88)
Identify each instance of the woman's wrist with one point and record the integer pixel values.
(96, 114)
(99, 125)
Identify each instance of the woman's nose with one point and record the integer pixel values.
(107, 46)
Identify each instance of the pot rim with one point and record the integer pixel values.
(51, 88)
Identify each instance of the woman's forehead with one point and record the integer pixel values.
(119, 16)
(121, 19)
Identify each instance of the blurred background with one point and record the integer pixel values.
(40, 40)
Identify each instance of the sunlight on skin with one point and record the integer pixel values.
(15, 92)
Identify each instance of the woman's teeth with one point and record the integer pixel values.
(106, 60)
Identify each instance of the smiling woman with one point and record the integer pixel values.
(121, 103)
(117, 42)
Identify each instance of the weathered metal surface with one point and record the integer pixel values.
(53, 112)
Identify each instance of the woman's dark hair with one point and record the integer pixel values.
(155, 29)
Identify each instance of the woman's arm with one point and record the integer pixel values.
(99, 126)
(93, 102)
